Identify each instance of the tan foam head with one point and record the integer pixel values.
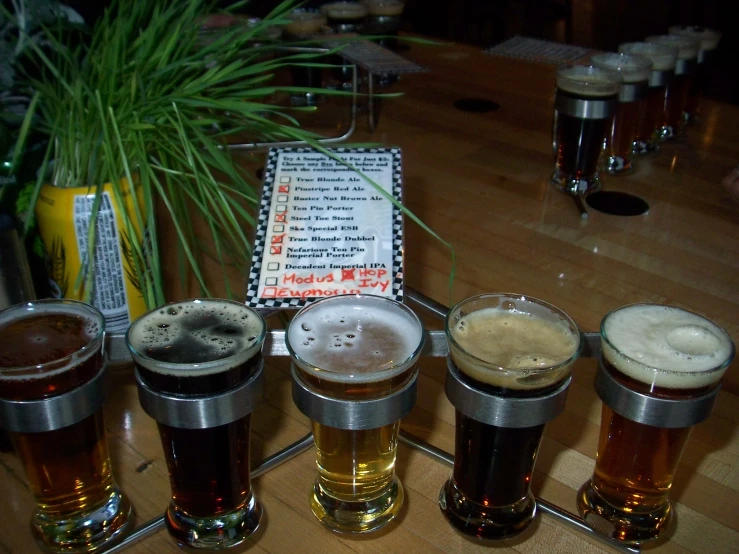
(687, 48)
(305, 23)
(384, 7)
(632, 67)
(708, 37)
(344, 10)
(585, 80)
(663, 57)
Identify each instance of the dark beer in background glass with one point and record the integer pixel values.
(511, 347)
(344, 18)
(384, 18)
(201, 348)
(50, 348)
(663, 69)
(709, 39)
(635, 71)
(659, 351)
(678, 88)
(305, 26)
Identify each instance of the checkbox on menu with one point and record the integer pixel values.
(278, 228)
(283, 188)
(282, 197)
(281, 209)
(285, 180)
(270, 281)
(277, 239)
(273, 266)
(280, 218)
(275, 250)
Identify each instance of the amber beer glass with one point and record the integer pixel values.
(680, 85)
(199, 371)
(709, 40)
(508, 372)
(659, 374)
(52, 363)
(635, 71)
(584, 106)
(652, 114)
(354, 370)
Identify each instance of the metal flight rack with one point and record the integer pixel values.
(435, 347)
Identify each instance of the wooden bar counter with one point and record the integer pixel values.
(481, 181)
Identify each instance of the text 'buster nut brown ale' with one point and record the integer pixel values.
(53, 351)
(680, 85)
(505, 349)
(355, 348)
(659, 356)
(635, 71)
(709, 39)
(585, 103)
(203, 350)
(652, 114)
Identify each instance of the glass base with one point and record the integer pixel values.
(641, 147)
(213, 533)
(87, 531)
(618, 165)
(484, 522)
(668, 132)
(627, 527)
(359, 516)
(307, 99)
(574, 185)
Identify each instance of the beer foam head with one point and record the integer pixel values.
(687, 48)
(304, 23)
(511, 341)
(708, 37)
(665, 346)
(588, 80)
(384, 7)
(355, 338)
(632, 67)
(92, 327)
(344, 10)
(663, 57)
(196, 337)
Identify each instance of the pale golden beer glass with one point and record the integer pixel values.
(351, 350)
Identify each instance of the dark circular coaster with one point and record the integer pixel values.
(476, 105)
(259, 173)
(617, 203)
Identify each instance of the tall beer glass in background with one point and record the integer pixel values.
(344, 18)
(384, 18)
(355, 348)
(652, 114)
(53, 348)
(304, 26)
(678, 88)
(668, 361)
(584, 106)
(201, 349)
(709, 42)
(504, 349)
(635, 71)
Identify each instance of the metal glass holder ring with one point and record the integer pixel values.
(435, 346)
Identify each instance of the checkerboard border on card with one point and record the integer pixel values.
(260, 238)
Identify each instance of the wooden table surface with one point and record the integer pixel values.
(481, 181)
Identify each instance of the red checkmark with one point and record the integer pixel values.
(275, 249)
(277, 239)
(281, 218)
(283, 188)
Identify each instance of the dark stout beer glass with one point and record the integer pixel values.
(709, 39)
(505, 351)
(305, 26)
(681, 83)
(344, 18)
(584, 106)
(635, 71)
(659, 375)
(53, 351)
(355, 349)
(204, 351)
(663, 69)
(384, 19)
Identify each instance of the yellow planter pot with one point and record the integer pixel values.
(63, 219)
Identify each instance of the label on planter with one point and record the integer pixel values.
(324, 230)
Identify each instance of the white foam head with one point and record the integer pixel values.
(355, 338)
(709, 38)
(179, 321)
(585, 80)
(384, 7)
(344, 10)
(687, 48)
(665, 346)
(632, 67)
(663, 57)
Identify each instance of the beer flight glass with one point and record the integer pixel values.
(354, 375)
(509, 366)
(344, 18)
(663, 60)
(199, 373)
(52, 368)
(304, 26)
(384, 18)
(659, 372)
(585, 103)
(635, 71)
